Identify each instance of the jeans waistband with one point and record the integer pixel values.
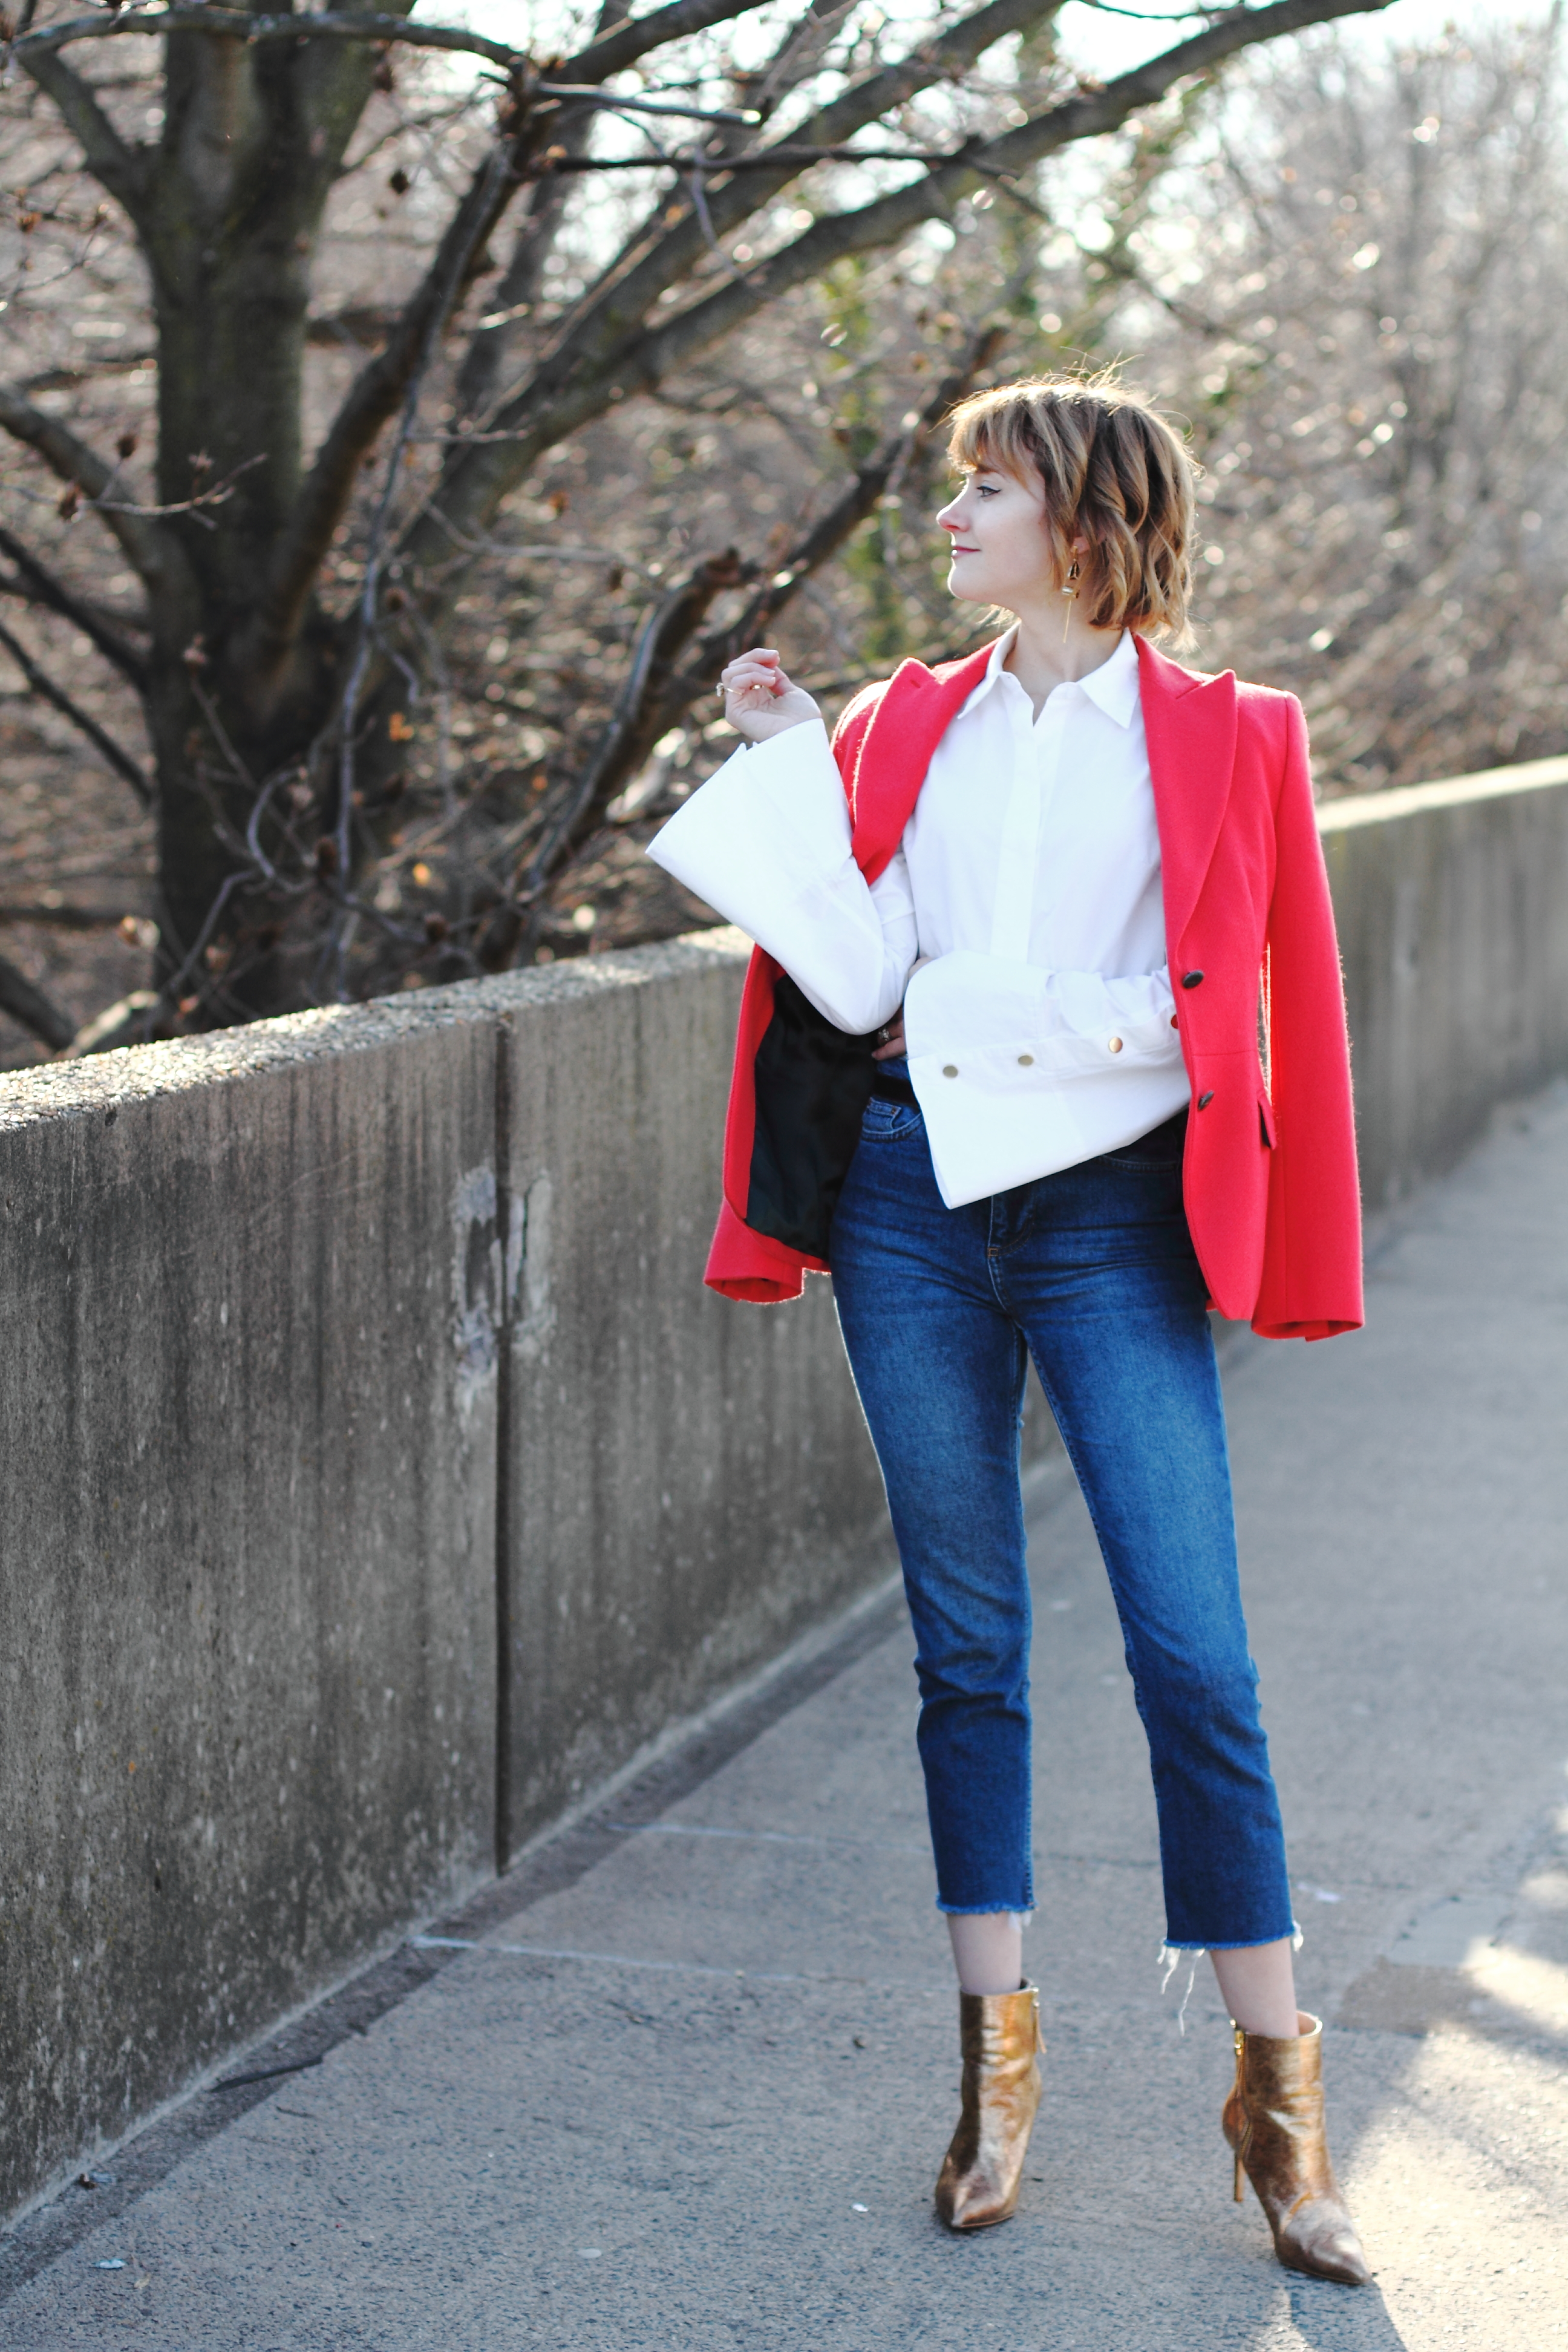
(891, 1083)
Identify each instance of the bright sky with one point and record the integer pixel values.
(1109, 44)
(1105, 44)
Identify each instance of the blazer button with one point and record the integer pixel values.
(1204, 1100)
(949, 1070)
(1192, 980)
(1025, 1061)
(1113, 1044)
(1174, 1023)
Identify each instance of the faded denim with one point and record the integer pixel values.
(1092, 1273)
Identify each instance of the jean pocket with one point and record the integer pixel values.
(885, 1122)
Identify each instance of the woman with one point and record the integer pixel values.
(1023, 930)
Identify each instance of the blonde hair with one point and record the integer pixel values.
(1113, 473)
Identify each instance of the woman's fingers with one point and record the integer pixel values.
(758, 671)
(760, 701)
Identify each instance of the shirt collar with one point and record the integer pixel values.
(1112, 687)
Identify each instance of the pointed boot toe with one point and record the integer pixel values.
(1320, 2238)
(979, 2181)
(1274, 2122)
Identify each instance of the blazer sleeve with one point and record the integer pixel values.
(1312, 1285)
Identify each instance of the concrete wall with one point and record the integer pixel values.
(378, 1474)
(246, 1507)
(271, 1298)
(1452, 903)
(688, 1482)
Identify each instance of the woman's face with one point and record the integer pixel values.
(1001, 554)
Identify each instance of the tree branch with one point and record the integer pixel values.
(641, 360)
(28, 1004)
(120, 168)
(624, 44)
(238, 23)
(475, 478)
(41, 587)
(670, 627)
(155, 554)
(42, 685)
(628, 294)
(372, 398)
(620, 49)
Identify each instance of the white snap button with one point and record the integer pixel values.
(1113, 1044)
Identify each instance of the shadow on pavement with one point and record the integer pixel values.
(1336, 2318)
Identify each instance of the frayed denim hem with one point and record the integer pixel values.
(1294, 1936)
(984, 1911)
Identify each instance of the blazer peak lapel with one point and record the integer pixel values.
(1189, 724)
(904, 729)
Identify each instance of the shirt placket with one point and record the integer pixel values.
(1036, 747)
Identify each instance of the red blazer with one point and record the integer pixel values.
(1270, 1175)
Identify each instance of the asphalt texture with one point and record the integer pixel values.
(685, 2079)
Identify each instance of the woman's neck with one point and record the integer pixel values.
(1054, 647)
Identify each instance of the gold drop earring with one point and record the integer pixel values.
(1070, 591)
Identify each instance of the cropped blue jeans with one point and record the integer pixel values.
(1092, 1273)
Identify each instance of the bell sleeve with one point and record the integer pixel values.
(766, 841)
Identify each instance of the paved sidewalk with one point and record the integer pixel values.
(695, 2096)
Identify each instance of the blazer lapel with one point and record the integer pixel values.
(908, 722)
(1189, 724)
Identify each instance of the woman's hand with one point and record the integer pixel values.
(760, 701)
(892, 1047)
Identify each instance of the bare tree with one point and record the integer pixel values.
(1356, 293)
(303, 543)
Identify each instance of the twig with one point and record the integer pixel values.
(220, 495)
(45, 687)
(585, 93)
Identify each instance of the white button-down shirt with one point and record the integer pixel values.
(1021, 923)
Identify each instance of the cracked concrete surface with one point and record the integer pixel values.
(693, 2094)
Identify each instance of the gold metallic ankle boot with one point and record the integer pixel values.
(1000, 2035)
(1274, 2121)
